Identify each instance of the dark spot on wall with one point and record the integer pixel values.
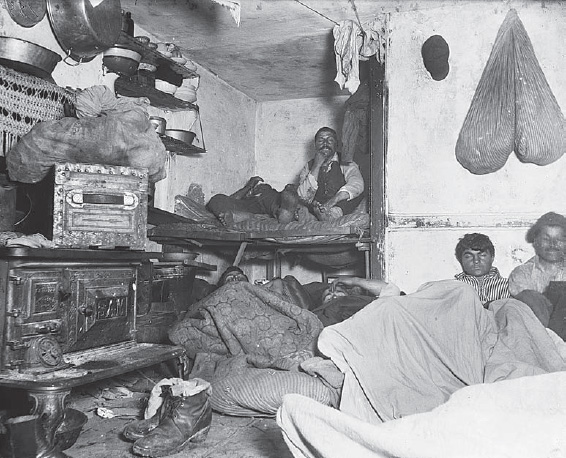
(435, 53)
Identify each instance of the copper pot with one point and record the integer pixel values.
(27, 57)
(84, 30)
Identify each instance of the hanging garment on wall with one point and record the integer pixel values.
(513, 108)
(347, 43)
(353, 43)
(355, 126)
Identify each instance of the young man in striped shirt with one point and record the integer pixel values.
(475, 253)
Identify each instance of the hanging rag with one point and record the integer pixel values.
(353, 43)
(347, 44)
(513, 108)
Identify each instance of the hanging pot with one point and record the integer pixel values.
(85, 28)
(26, 57)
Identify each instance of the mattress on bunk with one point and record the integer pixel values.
(200, 223)
(295, 231)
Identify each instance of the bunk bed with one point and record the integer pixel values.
(197, 228)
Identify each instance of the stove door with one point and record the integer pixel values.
(101, 307)
(34, 310)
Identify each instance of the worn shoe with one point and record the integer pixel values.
(186, 420)
(140, 428)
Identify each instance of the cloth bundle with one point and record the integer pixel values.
(108, 131)
(513, 108)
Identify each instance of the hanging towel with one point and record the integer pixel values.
(347, 44)
(352, 44)
(513, 108)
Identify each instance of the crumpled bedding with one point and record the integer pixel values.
(405, 356)
(355, 221)
(518, 418)
(242, 318)
(250, 336)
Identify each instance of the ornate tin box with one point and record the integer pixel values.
(99, 205)
(90, 206)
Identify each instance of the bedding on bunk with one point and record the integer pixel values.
(295, 231)
(434, 374)
(356, 222)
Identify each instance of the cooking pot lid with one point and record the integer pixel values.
(26, 13)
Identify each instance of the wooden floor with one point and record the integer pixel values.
(230, 437)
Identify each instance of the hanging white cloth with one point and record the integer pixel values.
(347, 44)
(353, 43)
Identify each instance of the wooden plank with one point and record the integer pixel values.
(252, 235)
(378, 152)
(161, 232)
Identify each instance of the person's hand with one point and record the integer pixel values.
(372, 286)
(319, 159)
(252, 184)
(347, 281)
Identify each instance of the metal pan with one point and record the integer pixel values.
(85, 28)
(26, 57)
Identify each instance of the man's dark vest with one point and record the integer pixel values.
(329, 182)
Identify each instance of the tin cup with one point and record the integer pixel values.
(158, 123)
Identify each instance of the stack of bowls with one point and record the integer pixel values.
(187, 93)
(121, 60)
(166, 87)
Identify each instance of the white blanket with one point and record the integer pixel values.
(403, 357)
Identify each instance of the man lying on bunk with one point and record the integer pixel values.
(255, 198)
(327, 190)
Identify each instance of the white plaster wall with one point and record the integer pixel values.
(284, 143)
(285, 135)
(228, 120)
(418, 256)
(424, 181)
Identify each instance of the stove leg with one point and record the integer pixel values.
(182, 366)
(50, 406)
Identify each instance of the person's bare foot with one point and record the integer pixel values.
(234, 216)
(321, 215)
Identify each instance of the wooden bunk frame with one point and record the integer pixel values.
(277, 242)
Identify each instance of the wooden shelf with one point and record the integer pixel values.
(124, 86)
(178, 147)
(151, 56)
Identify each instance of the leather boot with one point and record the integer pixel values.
(141, 428)
(187, 420)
